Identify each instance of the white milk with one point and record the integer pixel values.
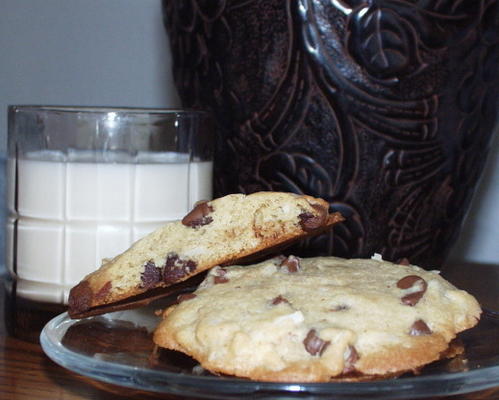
(71, 215)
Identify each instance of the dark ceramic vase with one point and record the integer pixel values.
(385, 108)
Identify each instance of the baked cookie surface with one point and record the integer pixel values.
(316, 319)
(216, 232)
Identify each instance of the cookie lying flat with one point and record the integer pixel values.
(217, 232)
(315, 319)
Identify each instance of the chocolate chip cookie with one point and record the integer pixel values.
(317, 319)
(221, 231)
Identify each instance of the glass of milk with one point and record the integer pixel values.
(84, 183)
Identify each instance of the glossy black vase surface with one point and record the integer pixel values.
(384, 108)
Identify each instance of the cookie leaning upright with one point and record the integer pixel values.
(317, 319)
(217, 232)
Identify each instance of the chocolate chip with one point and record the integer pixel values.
(176, 268)
(199, 215)
(80, 298)
(279, 299)
(220, 279)
(351, 357)
(410, 281)
(103, 291)
(314, 344)
(310, 221)
(292, 264)
(185, 296)
(419, 328)
(340, 307)
(280, 258)
(150, 276)
(404, 261)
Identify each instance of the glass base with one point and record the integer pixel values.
(23, 318)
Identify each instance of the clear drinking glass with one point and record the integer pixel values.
(85, 183)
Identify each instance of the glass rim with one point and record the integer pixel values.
(105, 110)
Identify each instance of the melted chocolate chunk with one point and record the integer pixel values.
(351, 357)
(151, 275)
(220, 276)
(103, 291)
(185, 296)
(314, 344)
(80, 298)
(220, 279)
(340, 307)
(292, 264)
(410, 281)
(176, 268)
(279, 299)
(404, 261)
(419, 328)
(310, 221)
(199, 215)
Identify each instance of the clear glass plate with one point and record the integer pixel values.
(117, 348)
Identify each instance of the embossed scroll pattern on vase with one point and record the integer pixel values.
(385, 108)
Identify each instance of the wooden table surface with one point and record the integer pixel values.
(26, 373)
